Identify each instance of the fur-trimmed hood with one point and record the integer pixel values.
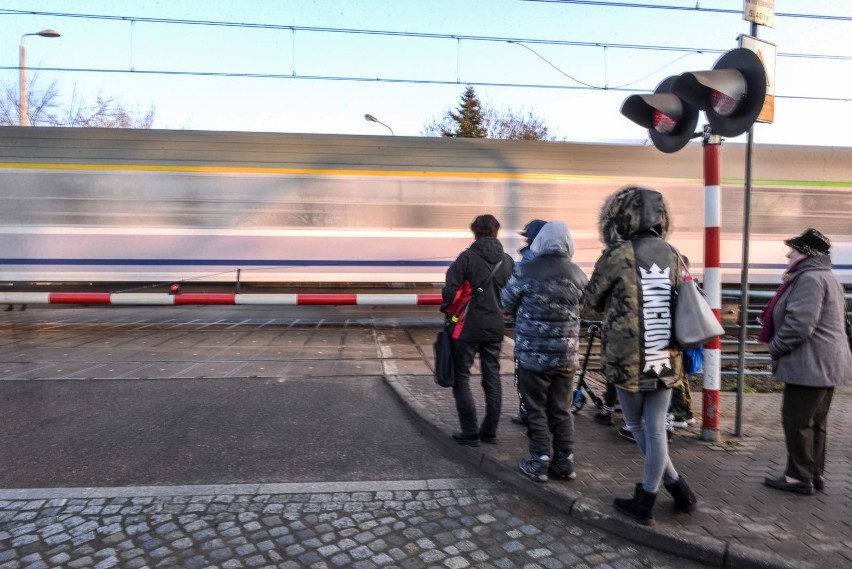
(630, 211)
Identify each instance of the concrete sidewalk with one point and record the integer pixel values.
(740, 522)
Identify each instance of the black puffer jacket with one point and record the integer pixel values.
(484, 319)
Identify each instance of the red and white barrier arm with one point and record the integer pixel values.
(131, 298)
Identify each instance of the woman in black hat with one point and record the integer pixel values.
(804, 326)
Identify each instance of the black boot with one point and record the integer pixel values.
(640, 507)
(684, 498)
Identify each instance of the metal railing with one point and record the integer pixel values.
(757, 360)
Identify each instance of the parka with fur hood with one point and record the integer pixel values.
(633, 284)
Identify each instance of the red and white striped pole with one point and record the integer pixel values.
(712, 283)
(185, 299)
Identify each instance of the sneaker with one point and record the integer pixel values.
(469, 440)
(536, 467)
(562, 466)
(518, 420)
(683, 423)
(604, 418)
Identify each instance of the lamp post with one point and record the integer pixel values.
(23, 103)
(371, 118)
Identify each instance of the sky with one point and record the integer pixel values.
(292, 66)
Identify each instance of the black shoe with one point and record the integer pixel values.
(604, 418)
(562, 466)
(782, 484)
(518, 420)
(625, 433)
(489, 440)
(819, 483)
(469, 440)
(536, 467)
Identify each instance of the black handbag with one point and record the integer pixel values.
(443, 348)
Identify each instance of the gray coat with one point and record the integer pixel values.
(809, 346)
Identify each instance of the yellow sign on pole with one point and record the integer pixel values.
(760, 12)
(766, 53)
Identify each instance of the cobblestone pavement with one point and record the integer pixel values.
(739, 523)
(447, 523)
(408, 524)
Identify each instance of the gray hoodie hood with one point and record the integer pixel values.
(553, 239)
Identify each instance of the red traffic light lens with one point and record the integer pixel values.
(663, 123)
(722, 104)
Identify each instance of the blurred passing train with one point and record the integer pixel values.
(108, 206)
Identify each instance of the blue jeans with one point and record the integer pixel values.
(645, 415)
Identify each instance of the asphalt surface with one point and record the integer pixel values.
(140, 437)
(209, 431)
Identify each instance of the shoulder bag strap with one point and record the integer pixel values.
(476, 292)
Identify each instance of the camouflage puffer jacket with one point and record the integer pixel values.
(634, 284)
(546, 297)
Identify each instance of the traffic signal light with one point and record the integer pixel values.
(731, 95)
(669, 119)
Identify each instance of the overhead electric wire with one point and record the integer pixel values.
(378, 80)
(392, 33)
(457, 37)
(611, 4)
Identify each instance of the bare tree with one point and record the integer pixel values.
(44, 109)
(473, 119)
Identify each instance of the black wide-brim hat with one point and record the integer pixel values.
(811, 242)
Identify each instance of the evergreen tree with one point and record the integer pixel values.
(469, 122)
(473, 119)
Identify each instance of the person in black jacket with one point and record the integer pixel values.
(477, 275)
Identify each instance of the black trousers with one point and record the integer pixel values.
(804, 414)
(464, 354)
(547, 395)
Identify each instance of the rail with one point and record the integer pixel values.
(757, 359)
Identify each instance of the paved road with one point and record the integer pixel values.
(235, 437)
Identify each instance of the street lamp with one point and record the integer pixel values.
(23, 103)
(371, 118)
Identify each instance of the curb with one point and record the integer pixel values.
(704, 549)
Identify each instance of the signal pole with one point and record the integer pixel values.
(712, 282)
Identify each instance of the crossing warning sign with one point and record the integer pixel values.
(766, 53)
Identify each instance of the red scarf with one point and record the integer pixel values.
(767, 327)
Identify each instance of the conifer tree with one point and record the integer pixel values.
(473, 119)
(469, 122)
